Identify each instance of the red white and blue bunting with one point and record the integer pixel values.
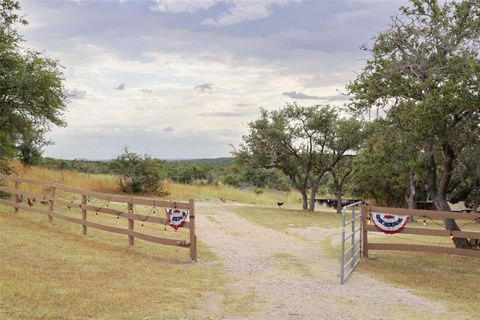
(176, 217)
(389, 223)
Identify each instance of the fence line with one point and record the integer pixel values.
(51, 199)
(367, 212)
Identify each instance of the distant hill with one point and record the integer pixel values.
(221, 160)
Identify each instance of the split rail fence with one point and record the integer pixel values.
(356, 229)
(367, 211)
(52, 201)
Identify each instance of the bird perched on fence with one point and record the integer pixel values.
(279, 204)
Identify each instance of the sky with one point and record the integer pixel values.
(182, 79)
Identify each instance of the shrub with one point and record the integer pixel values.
(138, 174)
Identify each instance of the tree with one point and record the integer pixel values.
(138, 174)
(32, 92)
(340, 174)
(387, 168)
(30, 146)
(424, 73)
(466, 179)
(303, 142)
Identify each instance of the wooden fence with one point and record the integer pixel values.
(51, 200)
(425, 214)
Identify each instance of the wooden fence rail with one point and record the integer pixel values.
(51, 200)
(368, 210)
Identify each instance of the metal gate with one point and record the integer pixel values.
(351, 239)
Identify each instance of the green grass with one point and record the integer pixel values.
(452, 280)
(49, 271)
(280, 219)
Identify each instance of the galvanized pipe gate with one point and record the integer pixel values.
(351, 229)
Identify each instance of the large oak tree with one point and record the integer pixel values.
(424, 72)
(32, 92)
(303, 142)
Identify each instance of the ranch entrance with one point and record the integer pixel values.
(359, 222)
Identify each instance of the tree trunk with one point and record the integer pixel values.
(338, 194)
(476, 202)
(411, 191)
(304, 199)
(313, 193)
(438, 193)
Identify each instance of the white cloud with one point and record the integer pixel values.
(238, 12)
(312, 50)
(179, 6)
(246, 10)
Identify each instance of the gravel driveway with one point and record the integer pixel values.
(292, 278)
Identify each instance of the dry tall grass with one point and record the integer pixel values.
(95, 182)
(108, 184)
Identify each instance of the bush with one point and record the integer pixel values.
(138, 174)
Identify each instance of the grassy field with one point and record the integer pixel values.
(289, 218)
(50, 271)
(177, 191)
(451, 280)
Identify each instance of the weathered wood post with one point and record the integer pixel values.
(193, 236)
(364, 231)
(84, 214)
(51, 202)
(17, 198)
(131, 239)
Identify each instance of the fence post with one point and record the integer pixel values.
(51, 203)
(131, 239)
(364, 231)
(84, 214)
(17, 198)
(193, 236)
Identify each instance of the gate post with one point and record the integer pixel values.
(193, 236)
(364, 231)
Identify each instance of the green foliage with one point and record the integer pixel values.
(138, 174)
(80, 165)
(466, 179)
(32, 93)
(303, 142)
(30, 146)
(424, 73)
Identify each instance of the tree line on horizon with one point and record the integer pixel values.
(423, 73)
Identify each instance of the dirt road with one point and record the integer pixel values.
(287, 277)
